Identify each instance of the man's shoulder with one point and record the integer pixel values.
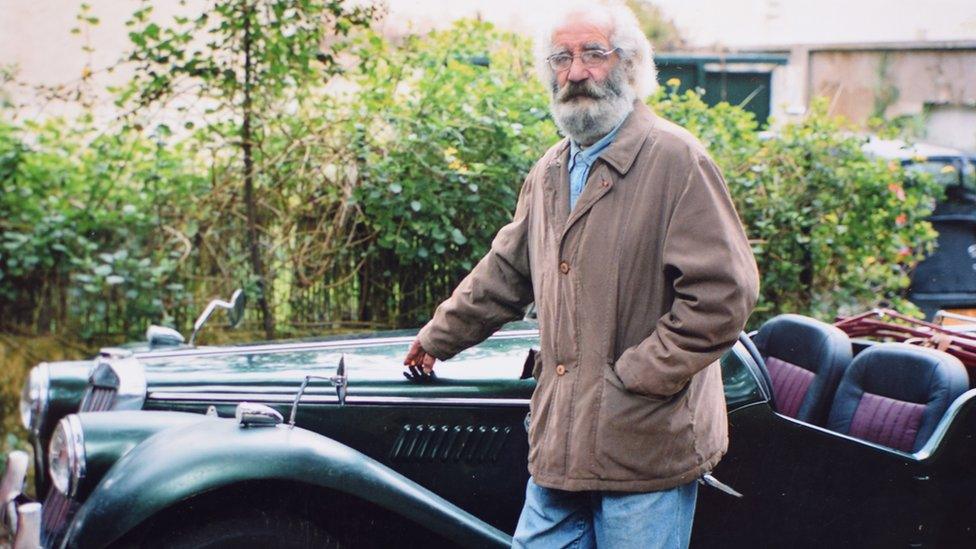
(553, 152)
(547, 158)
(676, 141)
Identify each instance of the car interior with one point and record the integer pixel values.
(891, 394)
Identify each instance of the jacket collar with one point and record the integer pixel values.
(630, 138)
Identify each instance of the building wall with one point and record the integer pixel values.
(899, 81)
(952, 126)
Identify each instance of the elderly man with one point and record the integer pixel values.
(626, 238)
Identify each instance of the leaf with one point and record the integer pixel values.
(458, 237)
(114, 280)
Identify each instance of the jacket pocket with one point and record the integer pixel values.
(619, 383)
(642, 436)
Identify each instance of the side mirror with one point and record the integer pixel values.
(236, 313)
(235, 307)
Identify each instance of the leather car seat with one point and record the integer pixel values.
(805, 359)
(894, 394)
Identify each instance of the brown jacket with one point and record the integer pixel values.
(639, 290)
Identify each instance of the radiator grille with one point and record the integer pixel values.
(55, 514)
(471, 443)
(98, 399)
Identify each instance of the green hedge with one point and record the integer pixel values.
(374, 202)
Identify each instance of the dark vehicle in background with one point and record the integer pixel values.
(947, 279)
(327, 442)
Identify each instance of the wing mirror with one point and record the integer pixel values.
(235, 312)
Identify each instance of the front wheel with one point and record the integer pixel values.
(243, 529)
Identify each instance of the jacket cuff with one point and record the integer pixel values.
(430, 346)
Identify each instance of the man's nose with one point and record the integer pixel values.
(577, 71)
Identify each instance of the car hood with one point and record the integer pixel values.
(374, 366)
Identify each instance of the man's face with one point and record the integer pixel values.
(576, 37)
(588, 101)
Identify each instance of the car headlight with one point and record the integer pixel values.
(66, 455)
(34, 397)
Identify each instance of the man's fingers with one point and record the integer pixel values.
(413, 355)
(428, 362)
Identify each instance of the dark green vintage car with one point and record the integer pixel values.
(170, 445)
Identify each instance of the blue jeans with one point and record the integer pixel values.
(555, 518)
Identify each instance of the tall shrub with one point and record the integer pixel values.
(833, 231)
(87, 238)
(445, 127)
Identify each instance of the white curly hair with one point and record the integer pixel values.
(624, 33)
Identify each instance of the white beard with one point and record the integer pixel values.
(587, 119)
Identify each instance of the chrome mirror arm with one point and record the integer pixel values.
(339, 381)
(235, 305)
(202, 319)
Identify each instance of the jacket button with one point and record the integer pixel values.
(605, 183)
(563, 267)
(560, 369)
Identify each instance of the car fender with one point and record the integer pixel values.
(187, 460)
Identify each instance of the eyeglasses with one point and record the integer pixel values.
(591, 58)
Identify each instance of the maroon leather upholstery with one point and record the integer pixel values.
(887, 421)
(805, 359)
(895, 394)
(790, 384)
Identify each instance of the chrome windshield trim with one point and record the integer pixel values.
(308, 346)
(333, 399)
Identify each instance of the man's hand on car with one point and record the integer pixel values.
(420, 362)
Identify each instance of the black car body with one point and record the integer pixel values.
(155, 444)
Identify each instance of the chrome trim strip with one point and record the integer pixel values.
(333, 399)
(942, 428)
(308, 346)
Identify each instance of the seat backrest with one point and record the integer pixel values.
(805, 359)
(894, 394)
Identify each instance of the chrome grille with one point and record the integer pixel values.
(55, 514)
(98, 399)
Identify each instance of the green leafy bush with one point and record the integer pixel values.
(371, 199)
(833, 231)
(86, 218)
(445, 127)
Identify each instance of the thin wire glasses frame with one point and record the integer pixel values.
(591, 58)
